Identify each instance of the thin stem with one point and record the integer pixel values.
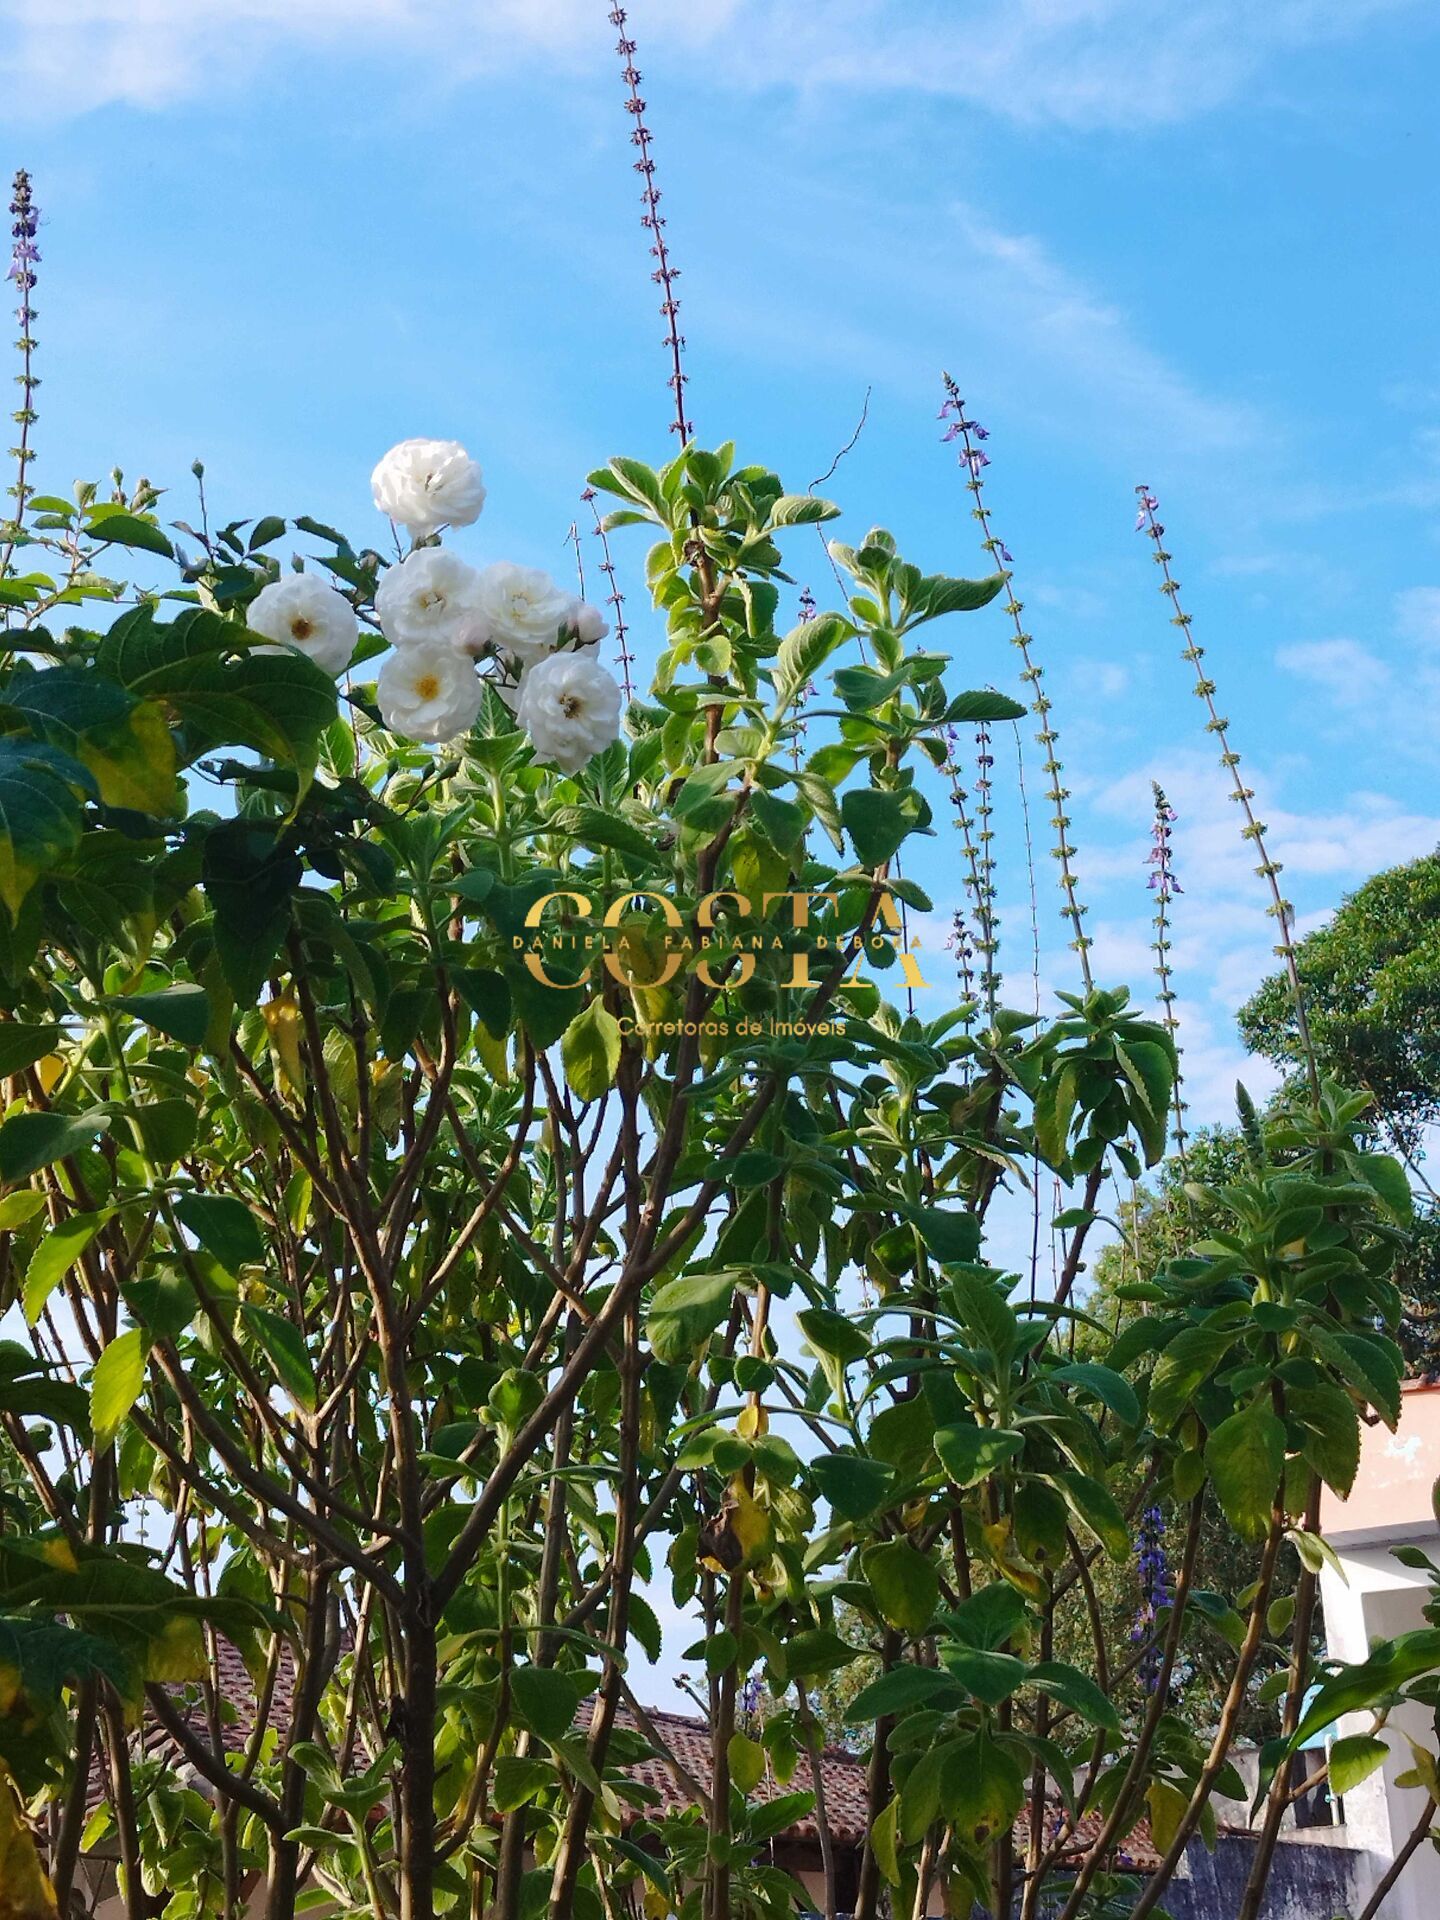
(24, 257)
(1254, 829)
(614, 599)
(1166, 886)
(974, 460)
(666, 273)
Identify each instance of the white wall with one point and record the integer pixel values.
(1378, 1599)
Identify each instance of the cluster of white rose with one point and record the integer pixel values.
(454, 627)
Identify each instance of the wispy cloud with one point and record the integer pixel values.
(1392, 690)
(1118, 64)
(1007, 313)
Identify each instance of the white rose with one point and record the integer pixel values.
(428, 484)
(587, 622)
(304, 612)
(523, 608)
(432, 595)
(570, 707)
(428, 692)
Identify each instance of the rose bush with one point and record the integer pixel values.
(448, 1193)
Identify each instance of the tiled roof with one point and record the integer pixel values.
(687, 1737)
(842, 1776)
(684, 1738)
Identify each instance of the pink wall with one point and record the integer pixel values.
(1392, 1495)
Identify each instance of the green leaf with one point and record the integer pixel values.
(876, 822)
(984, 1789)
(265, 531)
(1105, 1385)
(19, 1207)
(905, 1582)
(1095, 1506)
(1191, 1358)
(803, 652)
(747, 1762)
(124, 742)
(801, 510)
(987, 1676)
(518, 1778)
(278, 703)
(984, 1309)
(115, 1384)
(971, 1454)
(21, 1045)
(853, 1485)
(55, 1256)
(943, 593)
(831, 1333)
(545, 1701)
(884, 1842)
(1077, 1690)
(590, 1050)
(284, 1347)
(29, 1141)
(180, 1012)
(903, 1687)
(983, 705)
(685, 1312)
(817, 1651)
(1246, 1457)
(1331, 1438)
(40, 813)
(951, 1237)
(1386, 1175)
(597, 828)
(127, 530)
(1354, 1759)
(992, 1615)
(224, 1226)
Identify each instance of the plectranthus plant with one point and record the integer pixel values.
(469, 1167)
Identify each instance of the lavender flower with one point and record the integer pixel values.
(973, 463)
(1154, 1593)
(666, 273)
(24, 258)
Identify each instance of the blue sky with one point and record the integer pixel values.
(1199, 254)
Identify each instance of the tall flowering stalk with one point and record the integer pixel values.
(614, 598)
(973, 461)
(989, 941)
(1154, 1593)
(1147, 521)
(1164, 885)
(665, 273)
(24, 258)
(960, 941)
(797, 742)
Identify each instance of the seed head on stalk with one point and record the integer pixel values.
(969, 435)
(24, 258)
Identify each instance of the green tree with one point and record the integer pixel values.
(1372, 989)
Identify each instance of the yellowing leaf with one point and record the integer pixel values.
(25, 1890)
(282, 1022)
(753, 1421)
(116, 1383)
(177, 1652)
(749, 1522)
(1166, 1805)
(747, 1762)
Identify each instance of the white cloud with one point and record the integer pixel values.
(1083, 63)
(1417, 615)
(1006, 313)
(1340, 667)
